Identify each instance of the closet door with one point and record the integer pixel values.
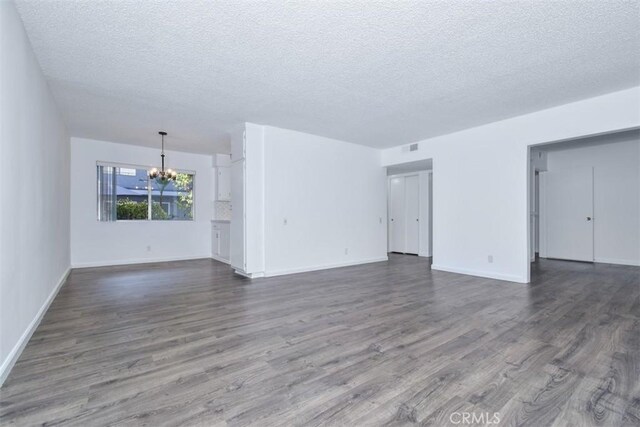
(412, 214)
(397, 229)
(569, 214)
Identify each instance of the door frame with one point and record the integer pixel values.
(529, 168)
(421, 243)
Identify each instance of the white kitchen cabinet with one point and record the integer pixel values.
(220, 239)
(223, 184)
(224, 242)
(215, 240)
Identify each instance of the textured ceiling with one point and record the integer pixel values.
(373, 73)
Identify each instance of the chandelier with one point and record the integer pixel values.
(162, 175)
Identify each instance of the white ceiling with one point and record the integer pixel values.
(377, 73)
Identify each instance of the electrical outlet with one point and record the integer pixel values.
(490, 259)
(284, 221)
(346, 251)
(149, 248)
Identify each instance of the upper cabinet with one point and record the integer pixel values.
(223, 184)
(222, 171)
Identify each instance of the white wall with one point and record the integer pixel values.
(616, 194)
(332, 196)
(480, 181)
(255, 197)
(425, 213)
(123, 242)
(34, 171)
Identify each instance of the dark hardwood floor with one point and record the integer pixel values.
(189, 343)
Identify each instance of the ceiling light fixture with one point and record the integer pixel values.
(162, 175)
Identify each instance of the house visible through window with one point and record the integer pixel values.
(127, 193)
(127, 171)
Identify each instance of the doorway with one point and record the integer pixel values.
(404, 214)
(585, 199)
(410, 208)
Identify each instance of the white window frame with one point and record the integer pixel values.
(149, 196)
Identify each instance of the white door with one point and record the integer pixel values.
(397, 229)
(569, 214)
(412, 214)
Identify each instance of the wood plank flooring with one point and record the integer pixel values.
(390, 343)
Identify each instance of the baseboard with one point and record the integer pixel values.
(479, 273)
(323, 267)
(424, 254)
(615, 261)
(16, 351)
(136, 261)
(630, 262)
(222, 260)
(249, 275)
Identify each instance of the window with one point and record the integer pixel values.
(127, 193)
